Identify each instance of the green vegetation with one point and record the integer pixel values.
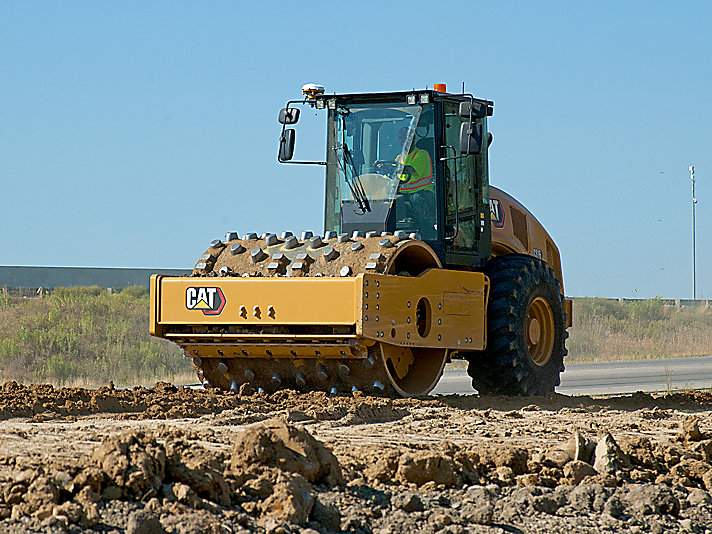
(610, 330)
(89, 336)
(85, 336)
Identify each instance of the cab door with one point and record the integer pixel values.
(467, 231)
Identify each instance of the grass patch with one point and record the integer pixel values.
(88, 336)
(608, 330)
(85, 336)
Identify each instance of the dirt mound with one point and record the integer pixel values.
(201, 470)
(636, 401)
(286, 447)
(445, 466)
(164, 401)
(634, 460)
(282, 496)
(372, 412)
(134, 464)
(269, 474)
(353, 463)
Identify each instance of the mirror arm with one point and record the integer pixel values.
(483, 106)
(284, 127)
(471, 123)
(303, 162)
(457, 207)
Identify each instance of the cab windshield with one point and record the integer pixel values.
(381, 168)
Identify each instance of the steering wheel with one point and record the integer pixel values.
(385, 166)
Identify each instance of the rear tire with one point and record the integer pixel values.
(526, 333)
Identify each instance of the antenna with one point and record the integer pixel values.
(694, 262)
(463, 88)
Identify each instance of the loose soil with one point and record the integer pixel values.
(174, 459)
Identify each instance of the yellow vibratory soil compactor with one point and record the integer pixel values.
(421, 262)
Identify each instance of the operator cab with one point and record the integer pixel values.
(413, 161)
(371, 185)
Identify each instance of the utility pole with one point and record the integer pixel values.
(694, 263)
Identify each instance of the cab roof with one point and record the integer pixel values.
(398, 95)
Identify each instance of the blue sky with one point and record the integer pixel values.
(133, 133)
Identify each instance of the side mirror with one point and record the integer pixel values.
(288, 115)
(470, 138)
(479, 110)
(286, 144)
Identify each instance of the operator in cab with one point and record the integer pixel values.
(415, 196)
(417, 174)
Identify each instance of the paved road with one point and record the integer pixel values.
(611, 377)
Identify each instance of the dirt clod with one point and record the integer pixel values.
(207, 461)
(144, 522)
(291, 499)
(326, 515)
(421, 467)
(278, 444)
(579, 447)
(408, 502)
(134, 462)
(690, 429)
(576, 470)
(608, 457)
(652, 499)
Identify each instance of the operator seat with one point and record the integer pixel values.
(426, 143)
(422, 206)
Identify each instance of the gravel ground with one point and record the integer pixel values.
(172, 459)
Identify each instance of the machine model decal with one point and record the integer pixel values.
(209, 300)
(496, 213)
(537, 253)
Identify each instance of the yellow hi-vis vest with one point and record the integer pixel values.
(422, 177)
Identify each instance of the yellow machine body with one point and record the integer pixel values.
(407, 275)
(252, 317)
(516, 230)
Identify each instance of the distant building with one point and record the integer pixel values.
(17, 276)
